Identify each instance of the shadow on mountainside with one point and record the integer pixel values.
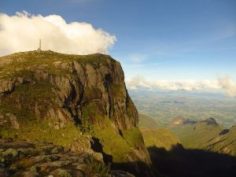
(180, 162)
(138, 168)
(177, 162)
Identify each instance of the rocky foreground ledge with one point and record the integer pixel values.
(24, 159)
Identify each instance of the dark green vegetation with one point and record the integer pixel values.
(163, 106)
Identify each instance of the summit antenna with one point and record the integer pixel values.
(39, 49)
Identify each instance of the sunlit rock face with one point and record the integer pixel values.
(71, 88)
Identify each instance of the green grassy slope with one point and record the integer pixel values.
(161, 138)
(225, 142)
(147, 122)
(197, 135)
(205, 136)
(154, 135)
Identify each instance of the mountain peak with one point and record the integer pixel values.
(210, 121)
(54, 97)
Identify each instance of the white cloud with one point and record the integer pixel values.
(228, 85)
(137, 58)
(21, 32)
(225, 84)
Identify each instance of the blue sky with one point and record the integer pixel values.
(157, 39)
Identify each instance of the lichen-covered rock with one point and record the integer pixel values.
(61, 173)
(13, 121)
(6, 85)
(10, 120)
(46, 160)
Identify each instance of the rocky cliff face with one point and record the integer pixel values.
(73, 88)
(79, 102)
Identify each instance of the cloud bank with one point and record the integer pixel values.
(21, 32)
(225, 84)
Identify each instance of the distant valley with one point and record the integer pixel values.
(163, 106)
(194, 120)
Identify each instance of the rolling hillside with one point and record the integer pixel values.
(206, 134)
(154, 135)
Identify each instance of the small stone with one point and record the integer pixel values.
(30, 174)
(79, 173)
(13, 121)
(57, 150)
(61, 173)
(10, 153)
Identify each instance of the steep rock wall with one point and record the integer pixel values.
(80, 88)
